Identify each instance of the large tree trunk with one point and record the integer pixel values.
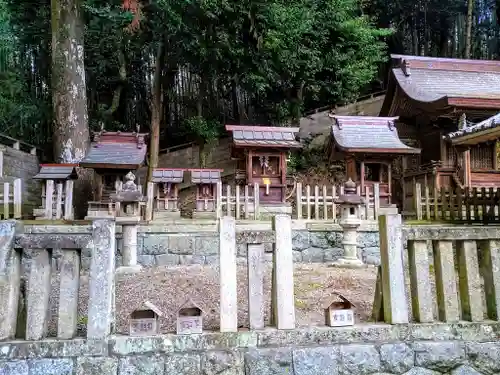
(468, 29)
(69, 99)
(156, 110)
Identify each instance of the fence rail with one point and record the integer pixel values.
(11, 196)
(459, 205)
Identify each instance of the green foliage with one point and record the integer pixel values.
(205, 130)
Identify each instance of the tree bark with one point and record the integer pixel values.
(468, 29)
(69, 97)
(156, 110)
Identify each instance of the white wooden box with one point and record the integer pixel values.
(189, 325)
(140, 327)
(340, 318)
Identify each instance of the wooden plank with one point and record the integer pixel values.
(237, 211)
(228, 200)
(49, 198)
(247, 206)
(367, 202)
(334, 206)
(444, 203)
(475, 204)
(299, 200)
(308, 202)
(316, 202)
(468, 207)
(436, 201)
(427, 204)
(325, 203)
(460, 208)
(376, 200)
(6, 201)
(417, 200)
(59, 200)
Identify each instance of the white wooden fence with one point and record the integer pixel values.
(11, 196)
(311, 203)
(318, 203)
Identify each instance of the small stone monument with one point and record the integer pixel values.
(339, 312)
(144, 321)
(349, 221)
(189, 319)
(129, 217)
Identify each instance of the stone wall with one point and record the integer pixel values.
(177, 244)
(23, 165)
(419, 349)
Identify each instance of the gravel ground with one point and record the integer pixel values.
(169, 287)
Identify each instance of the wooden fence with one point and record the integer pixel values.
(459, 205)
(311, 203)
(11, 196)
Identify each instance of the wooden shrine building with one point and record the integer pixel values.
(368, 145)
(112, 155)
(431, 96)
(261, 154)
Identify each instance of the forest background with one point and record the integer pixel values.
(180, 69)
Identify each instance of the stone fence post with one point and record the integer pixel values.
(394, 299)
(102, 279)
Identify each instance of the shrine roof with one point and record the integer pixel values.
(428, 79)
(205, 176)
(481, 131)
(172, 175)
(368, 134)
(116, 150)
(57, 172)
(264, 136)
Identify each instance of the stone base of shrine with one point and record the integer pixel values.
(166, 215)
(204, 215)
(268, 210)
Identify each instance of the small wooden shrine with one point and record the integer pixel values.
(368, 145)
(206, 181)
(189, 318)
(261, 154)
(438, 101)
(167, 181)
(57, 191)
(145, 320)
(112, 155)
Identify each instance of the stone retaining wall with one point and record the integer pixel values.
(178, 244)
(420, 349)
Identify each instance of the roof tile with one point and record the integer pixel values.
(56, 172)
(360, 132)
(247, 136)
(205, 176)
(115, 153)
(175, 176)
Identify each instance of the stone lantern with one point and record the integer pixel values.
(129, 217)
(349, 221)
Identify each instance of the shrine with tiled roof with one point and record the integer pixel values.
(431, 96)
(368, 145)
(112, 155)
(261, 155)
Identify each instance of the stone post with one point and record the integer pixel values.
(101, 279)
(255, 254)
(228, 278)
(349, 221)
(283, 298)
(393, 278)
(38, 293)
(68, 294)
(129, 244)
(10, 280)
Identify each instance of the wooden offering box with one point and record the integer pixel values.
(144, 321)
(167, 182)
(339, 312)
(261, 154)
(189, 319)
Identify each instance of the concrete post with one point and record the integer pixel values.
(102, 279)
(228, 279)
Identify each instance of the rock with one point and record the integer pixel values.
(212, 260)
(464, 370)
(335, 239)
(359, 359)
(182, 364)
(300, 240)
(146, 260)
(313, 255)
(192, 259)
(368, 239)
(222, 363)
(141, 365)
(333, 253)
(268, 362)
(421, 371)
(183, 245)
(318, 239)
(371, 255)
(297, 256)
(96, 366)
(206, 246)
(439, 356)
(485, 356)
(155, 245)
(167, 260)
(14, 368)
(52, 367)
(312, 361)
(396, 358)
